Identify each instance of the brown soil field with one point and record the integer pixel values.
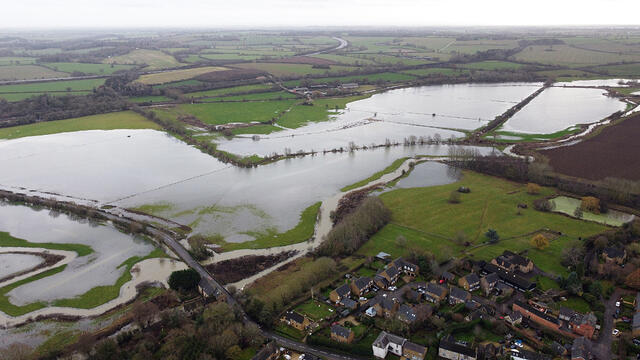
(615, 152)
(230, 271)
(306, 60)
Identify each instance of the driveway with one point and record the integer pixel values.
(602, 347)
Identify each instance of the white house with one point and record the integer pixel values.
(386, 343)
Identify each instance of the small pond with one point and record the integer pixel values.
(568, 205)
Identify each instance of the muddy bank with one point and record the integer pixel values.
(234, 270)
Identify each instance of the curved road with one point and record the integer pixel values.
(343, 44)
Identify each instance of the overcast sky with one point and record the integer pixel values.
(261, 13)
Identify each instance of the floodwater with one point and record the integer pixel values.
(111, 249)
(557, 109)
(567, 205)
(14, 263)
(150, 167)
(430, 173)
(596, 82)
(394, 115)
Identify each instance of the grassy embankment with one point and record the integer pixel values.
(110, 121)
(429, 222)
(389, 169)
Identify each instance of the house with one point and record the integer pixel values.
(537, 316)
(488, 283)
(406, 314)
(447, 277)
(208, 291)
(390, 273)
(614, 255)
(449, 349)
(470, 282)
(387, 307)
(341, 334)
(269, 352)
(349, 304)
(566, 314)
(528, 355)
(411, 351)
(503, 289)
(514, 318)
(412, 296)
(406, 267)
(295, 320)
(509, 277)
(511, 261)
(458, 296)
(583, 325)
(385, 343)
(380, 282)
(581, 349)
(436, 293)
(343, 291)
(371, 312)
(361, 285)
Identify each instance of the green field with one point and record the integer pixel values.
(97, 69)
(224, 113)
(28, 72)
(570, 56)
(143, 99)
(55, 88)
(11, 97)
(176, 75)
(190, 82)
(320, 111)
(385, 77)
(16, 60)
(256, 129)
(117, 120)
(271, 95)
(428, 221)
(493, 65)
(228, 91)
(437, 71)
(314, 310)
(345, 60)
(154, 59)
(284, 70)
(628, 70)
(6, 240)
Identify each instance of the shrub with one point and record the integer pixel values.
(492, 235)
(578, 212)
(533, 189)
(540, 241)
(543, 205)
(184, 280)
(590, 204)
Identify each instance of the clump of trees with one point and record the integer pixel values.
(540, 242)
(590, 204)
(356, 228)
(492, 235)
(184, 280)
(533, 189)
(543, 205)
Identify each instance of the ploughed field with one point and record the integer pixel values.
(612, 153)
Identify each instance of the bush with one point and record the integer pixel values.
(533, 189)
(590, 204)
(454, 197)
(540, 242)
(184, 280)
(492, 235)
(543, 205)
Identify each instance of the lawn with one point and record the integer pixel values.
(576, 303)
(270, 237)
(110, 121)
(154, 59)
(95, 69)
(239, 112)
(315, 310)
(176, 75)
(389, 169)
(300, 114)
(28, 72)
(288, 331)
(428, 221)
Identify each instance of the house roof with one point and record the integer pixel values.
(530, 355)
(362, 282)
(458, 293)
(491, 278)
(406, 313)
(412, 295)
(340, 331)
(387, 304)
(415, 348)
(402, 264)
(343, 290)
(613, 252)
(509, 277)
(515, 315)
(435, 289)
(349, 303)
(448, 276)
(294, 316)
(457, 348)
(472, 279)
(385, 338)
(566, 312)
(536, 312)
(581, 348)
(385, 282)
(515, 258)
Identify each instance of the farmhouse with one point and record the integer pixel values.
(295, 320)
(449, 349)
(339, 293)
(470, 282)
(341, 334)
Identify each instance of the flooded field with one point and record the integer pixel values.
(596, 82)
(102, 267)
(429, 173)
(394, 115)
(557, 109)
(15, 263)
(567, 206)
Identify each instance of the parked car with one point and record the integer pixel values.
(636, 342)
(393, 288)
(617, 304)
(615, 332)
(626, 319)
(518, 343)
